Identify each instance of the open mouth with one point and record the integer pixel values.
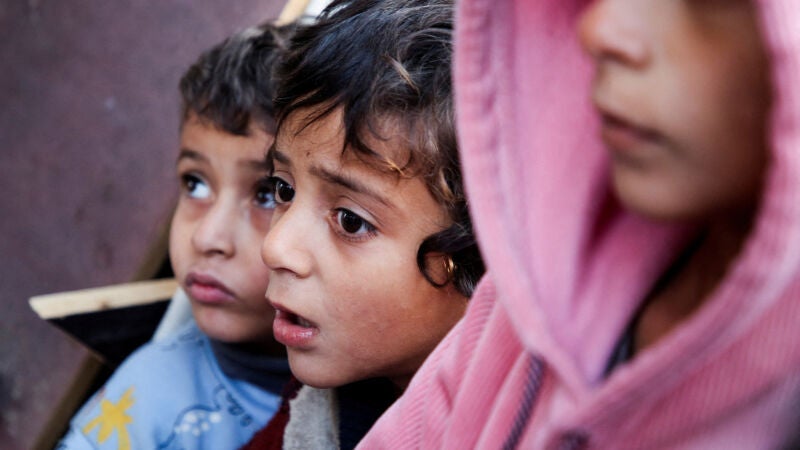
(292, 330)
(294, 319)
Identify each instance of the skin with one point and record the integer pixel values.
(342, 252)
(682, 88)
(224, 212)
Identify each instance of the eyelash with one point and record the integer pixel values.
(190, 182)
(369, 229)
(282, 189)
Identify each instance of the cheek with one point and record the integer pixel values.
(721, 101)
(179, 245)
(354, 303)
(689, 123)
(730, 152)
(368, 297)
(403, 304)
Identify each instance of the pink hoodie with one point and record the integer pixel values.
(525, 366)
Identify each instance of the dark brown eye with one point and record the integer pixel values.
(352, 223)
(283, 191)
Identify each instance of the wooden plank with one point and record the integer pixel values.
(63, 304)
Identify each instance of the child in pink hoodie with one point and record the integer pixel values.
(633, 168)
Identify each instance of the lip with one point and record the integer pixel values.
(291, 329)
(624, 137)
(207, 289)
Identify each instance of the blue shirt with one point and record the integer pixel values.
(172, 394)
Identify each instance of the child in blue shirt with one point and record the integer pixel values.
(215, 382)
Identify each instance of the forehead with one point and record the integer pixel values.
(203, 137)
(303, 131)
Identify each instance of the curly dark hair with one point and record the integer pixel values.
(389, 61)
(231, 85)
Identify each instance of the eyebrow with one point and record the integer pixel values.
(186, 153)
(276, 155)
(333, 177)
(253, 164)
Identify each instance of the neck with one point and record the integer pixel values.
(691, 281)
(252, 364)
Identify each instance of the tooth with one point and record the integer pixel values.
(303, 322)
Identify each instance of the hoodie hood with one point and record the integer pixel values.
(560, 252)
(567, 268)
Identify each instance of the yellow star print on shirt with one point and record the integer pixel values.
(112, 419)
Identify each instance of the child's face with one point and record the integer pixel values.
(682, 88)
(223, 214)
(352, 303)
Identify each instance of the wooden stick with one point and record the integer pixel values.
(64, 304)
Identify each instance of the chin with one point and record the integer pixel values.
(319, 381)
(653, 204)
(670, 216)
(216, 333)
(220, 330)
(319, 377)
(660, 215)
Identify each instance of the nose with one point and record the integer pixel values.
(288, 243)
(615, 30)
(215, 233)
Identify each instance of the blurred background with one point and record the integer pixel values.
(88, 135)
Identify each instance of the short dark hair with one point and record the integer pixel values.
(382, 60)
(231, 85)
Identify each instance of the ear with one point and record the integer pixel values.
(438, 268)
